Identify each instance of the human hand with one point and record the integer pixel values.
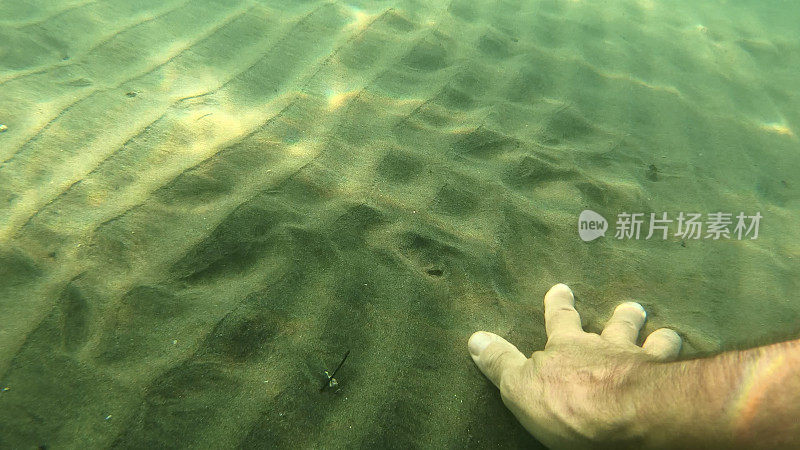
(581, 391)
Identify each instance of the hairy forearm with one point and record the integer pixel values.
(741, 399)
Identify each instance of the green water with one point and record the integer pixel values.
(205, 204)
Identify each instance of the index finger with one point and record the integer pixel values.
(560, 316)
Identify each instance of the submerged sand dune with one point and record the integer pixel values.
(203, 205)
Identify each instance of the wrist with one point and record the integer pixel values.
(680, 404)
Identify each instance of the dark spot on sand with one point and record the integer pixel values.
(652, 173)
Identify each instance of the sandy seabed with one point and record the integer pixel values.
(203, 205)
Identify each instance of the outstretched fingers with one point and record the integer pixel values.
(560, 316)
(494, 356)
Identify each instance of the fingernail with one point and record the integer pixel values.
(478, 342)
(560, 287)
(635, 306)
(632, 305)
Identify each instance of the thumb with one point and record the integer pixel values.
(493, 355)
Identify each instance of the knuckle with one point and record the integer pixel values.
(495, 360)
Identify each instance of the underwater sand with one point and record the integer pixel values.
(203, 205)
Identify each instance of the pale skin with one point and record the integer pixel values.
(586, 390)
